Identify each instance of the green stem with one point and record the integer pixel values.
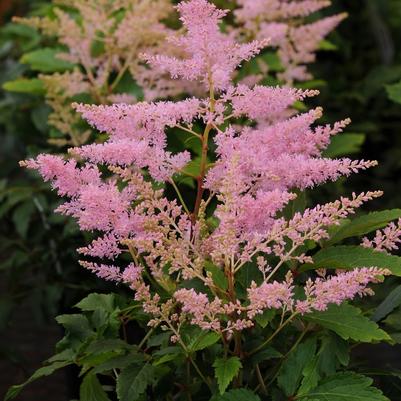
(260, 379)
(205, 148)
(281, 327)
(180, 197)
(120, 74)
(146, 338)
(300, 338)
(200, 373)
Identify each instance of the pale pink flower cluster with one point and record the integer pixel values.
(211, 56)
(337, 289)
(385, 240)
(283, 21)
(247, 174)
(102, 39)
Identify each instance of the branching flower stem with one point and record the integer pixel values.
(269, 339)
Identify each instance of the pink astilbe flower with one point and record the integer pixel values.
(121, 30)
(283, 22)
(269, 296)
(385, 240)
(212, 56)
(337, 289)
(247, 162)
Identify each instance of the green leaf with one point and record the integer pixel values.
(77, 325)
(112, 344)
(202, 341)
(40, 117)
(391, 302)
(311, 376)
(67, 355)
(133, 381)
(344, 144)
(168, 358)
(22, 217)
(23, 85)
(333, 351)
(349, 323)
(118, 362)
(266, 317)
(291, 371)
(194, 166)
(393, 323)
(351, 257)
(365, 224)
(92, 360)
(237, 395)
(265, 355)
(218, 275)
(345, 387)
(97, 301)
(273, 61)
(92, 390)
(44, 371)
(394, 92)
(225, 371)
(327, 45)
(46, 60)
(98, 46)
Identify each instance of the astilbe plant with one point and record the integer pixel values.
(226, 259)
(286, 23)
(100, 41)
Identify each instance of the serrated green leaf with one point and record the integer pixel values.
(349, 323)
(133, 381)
(92, 390)
(32, 86)
(93, 360)
(311, 376)
(97, 301)
(202, 341)
(344, 144)
(345, 387)
(237, 395)
(118, 362)
(75, 324)
(225, 371)
(44, 371)
(67, 355)
(391, 302)
(364, 225)
(351, 257)
(290, 374)
(46, 60)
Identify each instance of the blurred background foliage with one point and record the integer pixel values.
(359, 76)
(38, 263)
